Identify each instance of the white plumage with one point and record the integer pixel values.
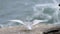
(37, 21)
(28, 25)
(19, 21)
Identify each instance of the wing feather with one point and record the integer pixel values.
(19, 21)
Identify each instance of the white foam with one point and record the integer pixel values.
(51, 5)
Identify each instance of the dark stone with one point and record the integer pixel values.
(52, 31)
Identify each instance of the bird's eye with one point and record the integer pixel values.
(59, 5)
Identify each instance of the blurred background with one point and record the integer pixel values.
(24, 10)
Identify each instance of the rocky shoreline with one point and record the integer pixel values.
(37, 29)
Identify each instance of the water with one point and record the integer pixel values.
(28, 11)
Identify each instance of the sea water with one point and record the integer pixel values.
(28, 11)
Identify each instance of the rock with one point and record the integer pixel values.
(37, 29)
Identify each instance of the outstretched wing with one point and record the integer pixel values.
(19, 21)
(38, 21)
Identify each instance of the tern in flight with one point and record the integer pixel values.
(28, 25)
(52, 5)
